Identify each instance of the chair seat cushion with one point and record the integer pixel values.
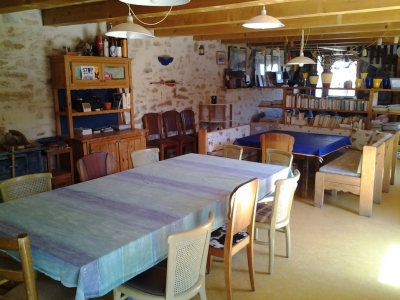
(263, 212)
(348, 164)
(218, 237)
(152, 281)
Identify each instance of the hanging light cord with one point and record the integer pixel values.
(148, 24)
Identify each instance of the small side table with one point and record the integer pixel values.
(62, 170)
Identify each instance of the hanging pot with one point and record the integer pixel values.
(326, 78)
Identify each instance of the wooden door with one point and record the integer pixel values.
(126, 147)
(110, 146)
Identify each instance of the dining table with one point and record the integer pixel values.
(306, 145)
(98, 234)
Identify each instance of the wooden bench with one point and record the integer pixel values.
(212, 143)
(366, 173)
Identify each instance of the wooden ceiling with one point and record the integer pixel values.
(326, 23)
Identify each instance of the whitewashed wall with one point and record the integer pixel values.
(26, 102)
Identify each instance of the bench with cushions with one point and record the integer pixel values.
(212, 142)
(365, 169)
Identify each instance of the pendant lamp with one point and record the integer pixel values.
(156, 2)
(263, 21)
(129, 30)
(301, 60)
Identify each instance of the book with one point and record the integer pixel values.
(82, 131)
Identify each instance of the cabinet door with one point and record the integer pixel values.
(110, 146)
(86, 74)
(126, 147)
(116, 74)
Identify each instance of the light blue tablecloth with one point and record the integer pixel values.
(98, 234)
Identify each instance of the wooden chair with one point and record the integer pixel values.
(25, 185)
(184, 276)
(153, 123)
(276, 214)
(278, 157)
(30, 288)
(174, 131)
(233, 151)
(144, 157)
(189, 123)
(228, 240)
(95, 165)
(274, 140)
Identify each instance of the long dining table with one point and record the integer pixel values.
(98, 234)
(306, 145)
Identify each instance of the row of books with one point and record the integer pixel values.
(327, 121)
(311, 102)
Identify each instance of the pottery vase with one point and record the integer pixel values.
(326, 78)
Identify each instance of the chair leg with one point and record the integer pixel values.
(202, 291)
(162, 150)
(228, 276)
(271, 244)
(250, 262)
(209, 262)
(287, 235)
(319, 190)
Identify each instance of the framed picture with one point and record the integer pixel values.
(117, 100)
(237, 58)
(86, 107)
(221, 57)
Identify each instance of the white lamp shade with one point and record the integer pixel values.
(156, 2)
(263, 21)
(129, 30)
(301, 60)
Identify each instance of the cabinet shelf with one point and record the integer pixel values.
(68, 74)
(369, 103)
(214, 114)
(91, 113)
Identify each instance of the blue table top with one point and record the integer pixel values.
(98, 234)
(310, 144)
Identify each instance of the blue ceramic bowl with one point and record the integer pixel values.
(164, 60)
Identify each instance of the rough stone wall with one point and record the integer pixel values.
(26, 102)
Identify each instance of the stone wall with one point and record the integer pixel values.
(26, 102)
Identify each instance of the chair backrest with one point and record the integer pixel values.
(25, 185)
(172, 123)
(144, 157)
(153, 123)
(279, 157)
(242, 209)
(95, 165)
(275, 140)
(188, 121)
(282, 204)
(26, 274)
(233, 151)
(187, 257)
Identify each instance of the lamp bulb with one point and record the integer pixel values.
(300, 65)
(396, 39)
(130, 35)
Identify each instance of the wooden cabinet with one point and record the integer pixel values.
(119, 143)
(213, 115)
(78, 73)
(20, 162)
(60, 164)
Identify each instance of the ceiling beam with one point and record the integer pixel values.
(11, 6)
